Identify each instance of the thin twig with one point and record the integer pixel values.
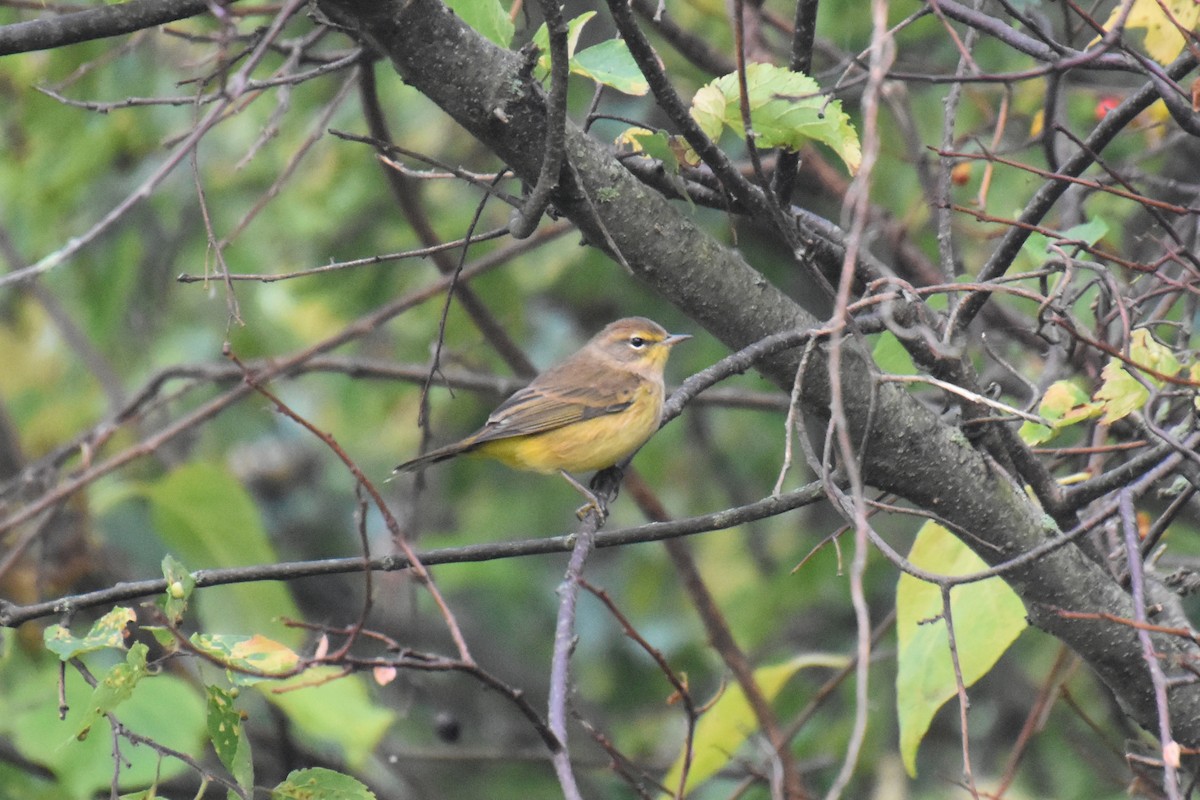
(1133, 556)
(564, 645)
(283, 366)
(399, 538)
(964, 703)
(215, 115)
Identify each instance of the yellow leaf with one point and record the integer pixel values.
(1120, 392)
(1037, 124)
(1148, 353)
(267, 654)
(1063, 404)
(631, 138)
(1163, 40)
(727, 723)
(988, 617)
(1123, 394)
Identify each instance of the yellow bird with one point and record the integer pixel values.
(587, 413)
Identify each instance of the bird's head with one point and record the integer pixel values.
(638, 343)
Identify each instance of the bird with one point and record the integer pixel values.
(586, 413)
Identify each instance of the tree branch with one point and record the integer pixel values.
(96, 23)
(12, 615)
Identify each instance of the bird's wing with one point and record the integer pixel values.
(545, 405)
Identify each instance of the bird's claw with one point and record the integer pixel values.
(593, 504)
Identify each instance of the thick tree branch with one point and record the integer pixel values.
(96, 23)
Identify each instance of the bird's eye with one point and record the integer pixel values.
(637, 342)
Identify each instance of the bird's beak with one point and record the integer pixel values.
(676, 338)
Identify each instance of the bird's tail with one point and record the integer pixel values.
(434, 456)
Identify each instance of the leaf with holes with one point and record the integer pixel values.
(318, 783)
(228, 735)
(180, 585)
(108, 631)
(114, 688)
(255, 653)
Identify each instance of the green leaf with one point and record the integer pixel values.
(180, 585)
(1035, 433)
(228, 735)
(319, 783)
(654, 144)
(708, 109)
(1147, 352)
(206, 517)
(988, 617)
(164, 636)
(114, 688)
(108, 631)
(164, 708)
(1038, 244)
(486, 16)
(787, 109)
(891, 356)
(541, 40)
(609, 63)
(723, 728)
(1088, 232)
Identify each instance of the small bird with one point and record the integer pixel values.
(586, 413)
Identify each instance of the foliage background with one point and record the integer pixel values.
(249, 486)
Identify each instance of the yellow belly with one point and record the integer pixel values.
(581, 446)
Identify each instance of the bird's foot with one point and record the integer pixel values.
(593, 501)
